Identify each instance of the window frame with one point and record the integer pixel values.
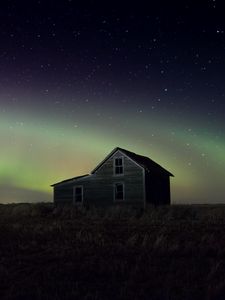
(114, 166)
(74, 194)
(115, 185)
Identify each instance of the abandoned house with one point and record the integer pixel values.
(123, 177)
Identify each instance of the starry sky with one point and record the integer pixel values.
(77, 80)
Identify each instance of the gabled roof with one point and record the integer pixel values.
(143, 161)
(68, 180)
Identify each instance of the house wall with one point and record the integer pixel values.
(157, 188)
(98, 188)
(63, 194)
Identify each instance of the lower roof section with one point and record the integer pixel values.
(69, 180)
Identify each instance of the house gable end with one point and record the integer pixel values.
(116, 152)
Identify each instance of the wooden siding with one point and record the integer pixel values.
(98, 188)
(132, 178)
(157, 188)
(63, 194)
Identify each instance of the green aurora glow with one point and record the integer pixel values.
(35, 154)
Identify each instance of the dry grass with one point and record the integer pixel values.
(65, 253)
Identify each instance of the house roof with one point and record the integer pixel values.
(143, 161)
(69, 180)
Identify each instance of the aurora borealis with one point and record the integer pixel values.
(77, 81)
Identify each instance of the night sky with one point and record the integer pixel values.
(77, 81)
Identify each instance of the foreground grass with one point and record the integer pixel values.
(64, 253)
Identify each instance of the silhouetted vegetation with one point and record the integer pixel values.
(175, 252)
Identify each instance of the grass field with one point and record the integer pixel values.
(167, 253)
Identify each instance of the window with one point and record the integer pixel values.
(78, 194)
(119, 192)
(118, 165)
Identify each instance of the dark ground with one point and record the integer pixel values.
(62, 253)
